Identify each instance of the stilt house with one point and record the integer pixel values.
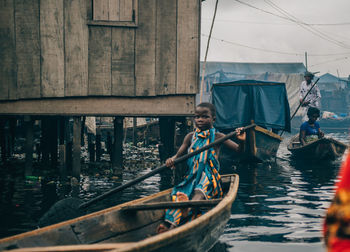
(97, 57)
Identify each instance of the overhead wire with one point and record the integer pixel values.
(274, 51)
(306, 26)
(206, 52)
(329, 61)
(274, 23)
(300, 23)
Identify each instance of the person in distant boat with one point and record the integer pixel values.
(312, 99)
(202, 181)
(310, 130)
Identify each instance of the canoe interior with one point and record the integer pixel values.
(261, 144)
(112, 225)
(321, 149)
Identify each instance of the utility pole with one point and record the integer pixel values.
(306, 61)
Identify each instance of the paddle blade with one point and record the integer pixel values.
(62, 210)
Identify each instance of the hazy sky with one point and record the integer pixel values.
(280, 31)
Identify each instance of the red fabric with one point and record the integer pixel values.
(339, 245)
(344, 182)
(336, 228)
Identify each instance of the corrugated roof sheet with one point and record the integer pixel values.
(253, 68)
(329, 78)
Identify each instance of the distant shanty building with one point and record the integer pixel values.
(96, 58)
(290, 73)
(335, 94)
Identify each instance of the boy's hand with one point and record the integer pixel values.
(241, 135)
(170, 163)
(321, 134)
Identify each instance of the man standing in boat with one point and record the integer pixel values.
(312, 99)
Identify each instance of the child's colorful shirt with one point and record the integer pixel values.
(203, 174)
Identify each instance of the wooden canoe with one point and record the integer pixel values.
(261, 144)
(132, 227)
(322, 149)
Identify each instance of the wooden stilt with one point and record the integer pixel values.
(29, 146)
(98, 145)
(44, 141)
(167, 137)
(76, 147)
(117, 153)
(2, 140)
(12, 134)
(62, 125)
(6, 139)
(109, 143)
(179, 172)
(53, 141)
(91, 147)
(134, 132)
(83, 131)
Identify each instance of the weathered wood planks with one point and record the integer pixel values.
(123, 62)
(55, 49)
(166, 33)
(76, 48)
(8, 80)
(145, 49)
(52, 48)
(109, 106)
(188, 34)
(100, 9)
(28, 48)
(126, 9)
(100, 61)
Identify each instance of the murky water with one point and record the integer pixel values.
(279, 206)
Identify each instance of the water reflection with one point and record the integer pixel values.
(279, 206)
(282, 203)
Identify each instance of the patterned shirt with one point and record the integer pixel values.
(313, 97)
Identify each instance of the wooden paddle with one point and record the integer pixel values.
(71, 208)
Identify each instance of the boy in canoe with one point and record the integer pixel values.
(202, 181)
(310, 130)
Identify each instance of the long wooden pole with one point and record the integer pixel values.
(304, 98)
(301, 102)
(161, 168)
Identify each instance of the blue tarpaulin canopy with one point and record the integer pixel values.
(239, 102)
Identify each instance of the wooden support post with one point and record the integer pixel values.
(167, 137)
(44, 140)
(83, 131)
(98, 145)
(109, 143)
(134, 131)
(117, 152)
(76, 147)
(29, 146)
(12, 134)
(2, 140)
(62, 128)
(91, 147)
(62, 160)
(180, 170)
(7, 142)
(53, 140)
